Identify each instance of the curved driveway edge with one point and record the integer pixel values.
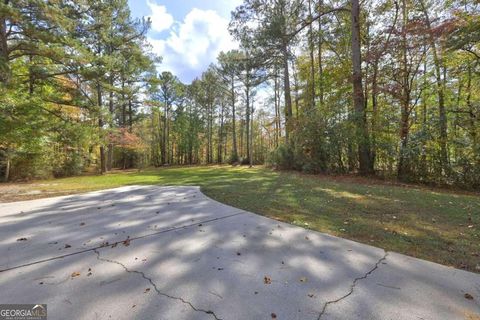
(151, 252)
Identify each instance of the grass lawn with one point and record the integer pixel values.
(435, 225)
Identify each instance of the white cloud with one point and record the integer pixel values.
(193, 43)
(161, 19)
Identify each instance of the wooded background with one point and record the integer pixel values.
(386, 88)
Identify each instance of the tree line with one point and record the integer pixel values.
(386, 88)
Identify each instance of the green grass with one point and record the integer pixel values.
(435, 225)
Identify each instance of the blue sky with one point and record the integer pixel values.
(188, 34)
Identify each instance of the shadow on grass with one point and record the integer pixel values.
(440, 227)
(217, 266)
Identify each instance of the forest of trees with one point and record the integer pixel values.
(378, 87)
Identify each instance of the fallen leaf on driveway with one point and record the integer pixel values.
(146, 290)
(75, 274)
(468, 296)
(267, 280)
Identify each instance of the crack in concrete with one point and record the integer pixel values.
(115, 243)
(209, 312)
(352, 286)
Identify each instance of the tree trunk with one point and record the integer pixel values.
(442, 114)
(297, 97)
(165, 134)
(247, 116)
(277, 110)
(366, 166)
(220, 136)
(472, 117)
(423, 161)
(288, 98)
(312, 58)
(403, 162)
(374, 110)
(234, 125)
(130, 115)
(320, 58)
(103, 162)
(6, 175)
(110, 144)
(250, 155)
(4, 54)
(242, 149)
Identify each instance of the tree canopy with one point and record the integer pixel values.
(387, 88)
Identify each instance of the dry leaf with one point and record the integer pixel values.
(468, 296)
(267, 280)
(75, 274)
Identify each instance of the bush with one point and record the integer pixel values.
(281, 158)
(233, 159)
(30, 165)
(72, 165)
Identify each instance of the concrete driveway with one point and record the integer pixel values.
(149, 252)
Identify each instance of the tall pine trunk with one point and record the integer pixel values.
(403, 161)
(360, 115)
(288, 98)
(312, 57)
(4, 54)
(234, 125)
(103, 160)
(320, 57)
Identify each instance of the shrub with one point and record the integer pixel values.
(281, 158)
